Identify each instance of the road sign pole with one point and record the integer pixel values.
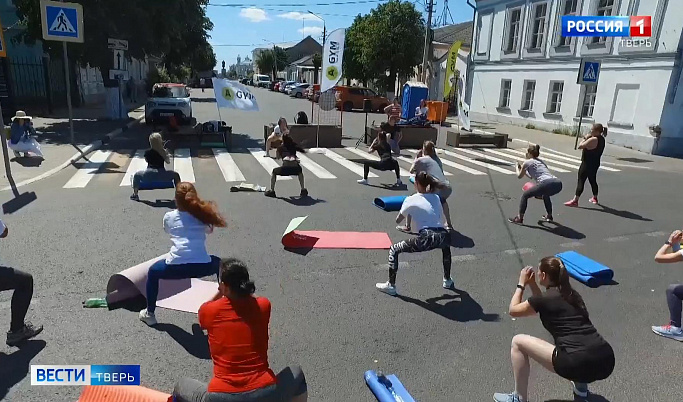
(578, 129)
(67, 79)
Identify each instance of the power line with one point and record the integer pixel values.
(332, 3)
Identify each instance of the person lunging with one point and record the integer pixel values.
(546, 186)
(592, 146)
(156, 157)
(290, 165)
(669, 253)
(579, 354)
(188, 226)
(386, 162)
(425, 209)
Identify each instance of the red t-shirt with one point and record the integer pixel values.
(238, 341)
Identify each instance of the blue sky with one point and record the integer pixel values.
(243, 26)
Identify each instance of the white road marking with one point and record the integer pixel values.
(410, 161)
(572, 244)
(555, 155)
(464, 257)
(314, 168)
(519, 251)
(476, 162)
(182, 164)
(544, 158)
(267, 163)
(491, 151)
(369, 156)
(88, 170)
(655, 234)
(137, 164)
(616, 239)
(455, 165)
(354, 167)
(227, 165)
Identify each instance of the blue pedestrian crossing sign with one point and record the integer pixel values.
(589, 72)
(62, 21)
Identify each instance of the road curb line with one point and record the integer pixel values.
(93, 146)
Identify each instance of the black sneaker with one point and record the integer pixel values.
(134, 197)
(304, 192)
(269, 193)
(28, 331)
(547, 218)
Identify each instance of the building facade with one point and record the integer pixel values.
(243, 68)
(525, 72)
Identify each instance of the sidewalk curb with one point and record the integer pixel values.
(93, 146)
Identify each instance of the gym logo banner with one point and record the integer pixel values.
(450, 69)
(233, 95)
(332, 59)
(461, 63)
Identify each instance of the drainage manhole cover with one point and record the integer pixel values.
(634, 160)
(492, 196)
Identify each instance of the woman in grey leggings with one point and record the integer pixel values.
(671, 252)
(546, 186)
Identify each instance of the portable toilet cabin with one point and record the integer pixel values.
(413, 93)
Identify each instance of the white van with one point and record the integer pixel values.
(261, 80)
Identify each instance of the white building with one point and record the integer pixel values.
(243, 67)
(525, 72)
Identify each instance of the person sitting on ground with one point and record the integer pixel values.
(425, 208)
(394, 135)
(421, 111)
(275, 139)
(22, 284)
(386, 162)
(188, 226)
(237, 325)
(579, 354)
(21, 140)
(671, 252)
(156, 157)
(290, 165)
(431, 164)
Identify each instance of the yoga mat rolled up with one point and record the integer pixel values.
(121, 393)
(391, 203)
(156, 185)
(585, 270)
(387, 389)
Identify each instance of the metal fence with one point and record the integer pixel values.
(35, 84)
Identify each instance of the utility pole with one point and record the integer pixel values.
(428, 41)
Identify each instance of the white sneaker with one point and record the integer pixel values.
(386, 287)
(362, 181)
(147, 317)
(448, 283)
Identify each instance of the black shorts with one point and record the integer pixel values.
(293, 170)
(586, 366)
(383, 164)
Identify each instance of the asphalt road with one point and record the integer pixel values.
(327, 316)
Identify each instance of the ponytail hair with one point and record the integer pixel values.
(290, 145)
(186, 199)
(602, 129)
(235, 275)
(429, 182)
(559, 277)
(534, 150)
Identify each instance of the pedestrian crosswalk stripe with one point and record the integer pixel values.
(476, 162)
(354, 167)
(182, 164)
(314, 168)
(369, 156)
(554, 155)
(491, 151)
(88, 170)
(456, 165)
(136, 164)
(266, 162)
(408, 160)
(545, 157)
(227, 165)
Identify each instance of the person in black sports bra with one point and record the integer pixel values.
(386, 162)
(290, 165)
(593, 146)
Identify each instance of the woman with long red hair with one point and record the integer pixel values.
(188, 226)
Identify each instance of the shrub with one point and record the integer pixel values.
(530, 126)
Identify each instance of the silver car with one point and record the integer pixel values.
(299, 90)
(284, 85)
(169, 100)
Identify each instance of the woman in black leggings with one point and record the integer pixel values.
(592, 145)
(386, 162)
(669, 253)
(579, 354)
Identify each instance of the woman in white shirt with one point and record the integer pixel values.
(425, 209)
(275, 139)
(188, 226)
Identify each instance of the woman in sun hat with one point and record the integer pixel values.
(20, 136)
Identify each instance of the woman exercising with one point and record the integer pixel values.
(188, 226)
(275, 139)
(593, 146)
(425, 209)
(290, 165)
(671, 252)
(156, 157)
(579, 354)
(546, 186)
(386, 162)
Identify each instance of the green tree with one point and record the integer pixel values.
(354, 66)
(317, 62)
(281, 59)
(265, 61)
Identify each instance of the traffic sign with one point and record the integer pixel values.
(3, 49)
(62, 21)
(119, 60)
(589, 72)
(117, 44)
(116, 74)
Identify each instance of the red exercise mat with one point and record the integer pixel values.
(121, 393)
(293, 238)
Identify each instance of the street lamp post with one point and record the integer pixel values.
(274, 58)
(324, 33)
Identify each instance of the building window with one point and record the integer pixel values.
(484, 33)
(555, 101)
(588, 104)
(569, 7)
(505, 90)
(513, 29)
(605, 8)
(538, 25)
(528, 95)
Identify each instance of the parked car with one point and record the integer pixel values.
(283, 87)
(276, 87)
(349, 98)
(169, 100)
(313, 92)
(299, 90)
(261, 80)
(275, 82)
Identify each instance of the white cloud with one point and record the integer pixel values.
(295, 15)
(313, 31)
(254, 14)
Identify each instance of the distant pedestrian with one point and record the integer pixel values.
(546, 185)
(393, 110)
(592, 146)
(22, 284)
(671, 252)
(21, 133)
(132, 90)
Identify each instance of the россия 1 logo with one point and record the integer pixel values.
(607, 26)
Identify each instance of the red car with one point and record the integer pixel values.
(276, 87)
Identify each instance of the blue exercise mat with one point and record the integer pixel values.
(156, 185)
(412, 179)
(387, 389)
(585, 270)
(392, 203)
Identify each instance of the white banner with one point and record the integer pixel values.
(463, 107)
(233, 95)
(332, 59)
